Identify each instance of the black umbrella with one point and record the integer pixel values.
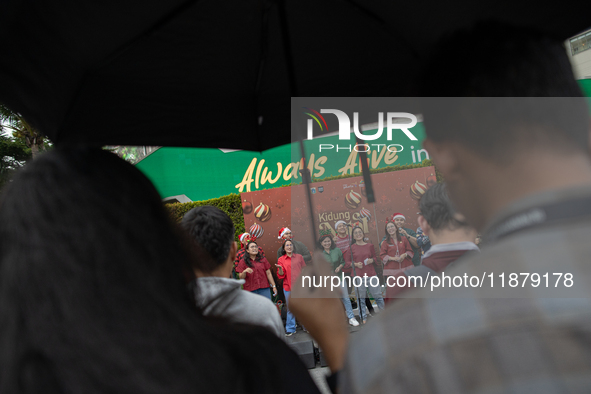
(218, 73)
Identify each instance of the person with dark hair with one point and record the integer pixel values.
(289, 267)
(400, 220)
(298, 247)
(334, 256)
(363, 255)
(515, 158)
(395, 252)
(452, 238)
(212, 233)
(256, 272)
(245, 238)
(92, 294)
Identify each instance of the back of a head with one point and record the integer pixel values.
(212, 233)
(438, 211)
(518, 86)
(92, 297)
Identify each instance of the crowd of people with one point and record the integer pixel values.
(350, 255)
(101, 292)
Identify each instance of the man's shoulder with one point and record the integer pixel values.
(252, 308)
(410, 232)
(458, 329)
(455, 335)
(299, 244)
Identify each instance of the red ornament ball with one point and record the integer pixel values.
(431, 180)
(246, 207)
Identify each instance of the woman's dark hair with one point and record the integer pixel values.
(92, 298)
(332, 244)
(283, 252)
(247, 258)
(388, 237)
(353, 233)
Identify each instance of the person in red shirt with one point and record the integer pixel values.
(289, 267)
(256, 271)
(395, 253)
(245, 238)
(364, 258)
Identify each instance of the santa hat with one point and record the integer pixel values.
(243, 236)
(282, 231)
(339, 222)
(398, 215)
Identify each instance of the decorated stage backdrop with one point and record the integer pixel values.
(266, 211)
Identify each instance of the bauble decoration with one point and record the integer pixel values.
(365, 213)
(256, 231)
(246, 207)
(352, 200)
(417, 190)
(262, 212)
(431, 180)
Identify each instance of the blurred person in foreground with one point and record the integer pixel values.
(92, 294)
(212, 233)
(451, 238)
(518, 167)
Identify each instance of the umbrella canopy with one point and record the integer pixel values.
(221, 73)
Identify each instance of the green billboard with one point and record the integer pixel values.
(201, 174)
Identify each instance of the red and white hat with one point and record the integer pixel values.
(339, 222)
(282, 232)
(398, 215)
(243, 237)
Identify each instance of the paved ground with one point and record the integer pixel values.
(318, 373)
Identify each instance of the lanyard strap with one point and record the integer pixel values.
(545, 215)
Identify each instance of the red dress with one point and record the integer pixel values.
(360, 253)
(397, 248)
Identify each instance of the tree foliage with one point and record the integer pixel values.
(13, 155)
(13, 123)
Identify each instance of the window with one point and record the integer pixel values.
(580, 43)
